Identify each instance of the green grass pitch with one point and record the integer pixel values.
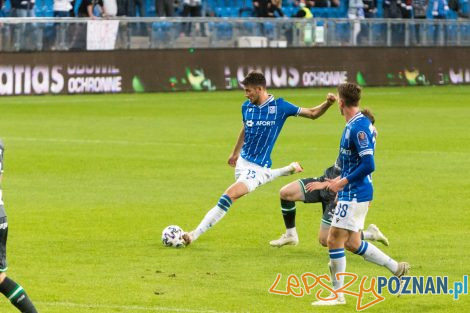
(91, 181)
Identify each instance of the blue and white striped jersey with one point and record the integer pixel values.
(357, 141)
(262, 126)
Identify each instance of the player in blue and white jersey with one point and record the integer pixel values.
(263, 117)
(355, 191)
(313, 190)
(8, 287)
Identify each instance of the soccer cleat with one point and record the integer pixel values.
(341, 300)
(188, 238)
(377, 234)
(296, 168)
(285, 240)
(403, 269)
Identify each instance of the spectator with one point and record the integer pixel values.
(192, 8)
(420, 8)
(439, 11)
(261, 7)
(122, 7)
(24, 8)
(110, 7)
(62, 8)
(304, 10)
(392, 9)
(275, 7)
(370, 9)
(165, 7)
(136, 6)
(87, 8)
(356, 13)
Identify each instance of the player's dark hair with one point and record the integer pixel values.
(367, 113)
(254, 78)
(350, 93)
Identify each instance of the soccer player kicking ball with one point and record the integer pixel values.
(313, 190)
(263, 118)
(355, 191)
(10, 289)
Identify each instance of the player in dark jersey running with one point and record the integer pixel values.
(14, 292)
(313, 190)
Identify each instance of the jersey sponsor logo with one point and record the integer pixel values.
(345, 151)
(362, 138)
(249, 123)
(272, 110)
(265, 123)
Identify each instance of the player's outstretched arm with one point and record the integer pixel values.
(232, 160)
(318, 111)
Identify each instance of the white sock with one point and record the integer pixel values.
(291, 232)
(212, 217)
(283, 171)
(337, 265)
(373, 254)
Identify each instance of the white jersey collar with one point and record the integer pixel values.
(271, 98)
(355, 117)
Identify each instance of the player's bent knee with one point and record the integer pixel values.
(286, 193)
(323, 241)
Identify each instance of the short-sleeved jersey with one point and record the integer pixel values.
(357, 141)
(263, 124)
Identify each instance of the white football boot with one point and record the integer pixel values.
(285, 240)
(403, 269)
(377, 234)
(296, 168)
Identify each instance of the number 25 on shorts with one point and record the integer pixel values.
(251, 174)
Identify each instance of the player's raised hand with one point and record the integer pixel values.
(232, 159)
(331, 98)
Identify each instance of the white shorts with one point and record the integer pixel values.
(350, 215)
(251, 174)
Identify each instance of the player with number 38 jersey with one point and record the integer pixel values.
(357, 141)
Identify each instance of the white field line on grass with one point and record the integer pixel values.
(130, 308)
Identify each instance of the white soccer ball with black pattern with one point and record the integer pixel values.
(172, 236)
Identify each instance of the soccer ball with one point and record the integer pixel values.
(172, 236)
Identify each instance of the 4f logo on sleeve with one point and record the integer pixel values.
(272, 110)
(362, 139)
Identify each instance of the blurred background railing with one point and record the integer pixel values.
(63, 34)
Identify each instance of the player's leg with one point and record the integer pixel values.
(323, 234)
(214, 215)
(351, 216)
(8, 287)
(289, 194)
(290, 169)
(337, 237)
